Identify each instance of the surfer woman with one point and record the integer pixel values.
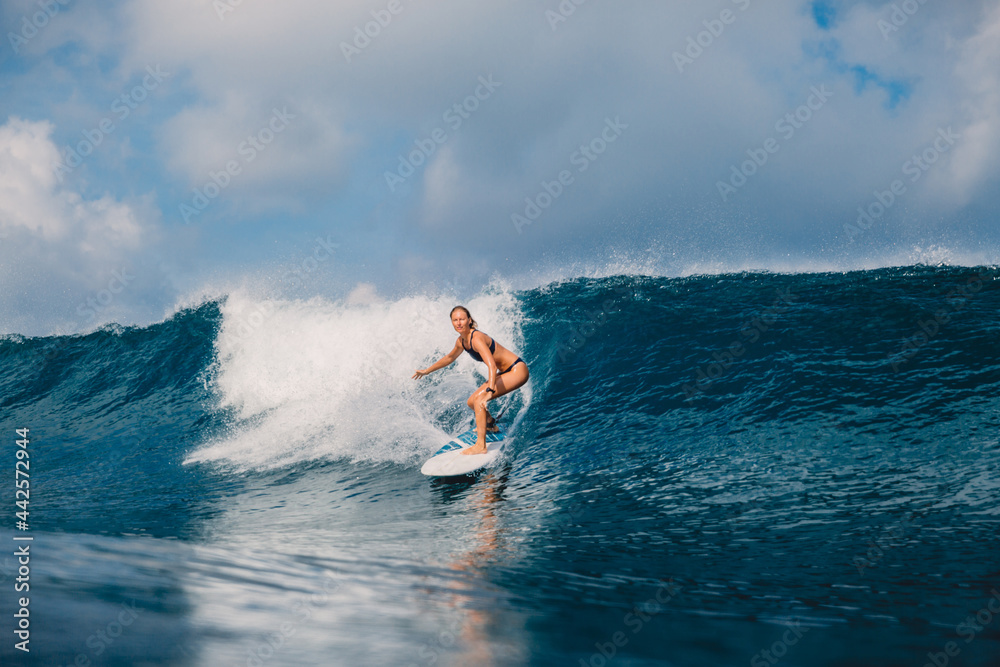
(482, 348)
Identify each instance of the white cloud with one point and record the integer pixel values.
(32, 201)
(257, 58)
(57, 245)
(27, 180)
(978, 155)
(287, 147)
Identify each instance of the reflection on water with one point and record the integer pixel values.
(478, 636)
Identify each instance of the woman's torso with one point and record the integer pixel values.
(501, 355)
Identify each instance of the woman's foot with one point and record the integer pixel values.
(475, 449)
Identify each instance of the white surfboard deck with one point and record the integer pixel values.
(449, 461)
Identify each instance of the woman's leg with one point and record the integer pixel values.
(474, 398)
(507, 383)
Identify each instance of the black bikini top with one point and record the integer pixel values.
(475, 355)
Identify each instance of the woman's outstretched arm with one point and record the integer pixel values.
(446, 360)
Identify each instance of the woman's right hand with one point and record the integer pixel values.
(419, 374)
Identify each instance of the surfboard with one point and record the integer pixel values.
(450, 462)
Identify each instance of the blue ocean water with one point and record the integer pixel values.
(744, 469)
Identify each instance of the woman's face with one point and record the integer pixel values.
(460, 321)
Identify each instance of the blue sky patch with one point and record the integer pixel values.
(824, 14)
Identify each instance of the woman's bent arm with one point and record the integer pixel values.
(491, 364)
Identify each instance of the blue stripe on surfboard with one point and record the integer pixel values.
(469, 438)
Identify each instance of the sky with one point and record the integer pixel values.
(154, 154)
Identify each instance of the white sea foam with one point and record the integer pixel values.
(313, 379)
